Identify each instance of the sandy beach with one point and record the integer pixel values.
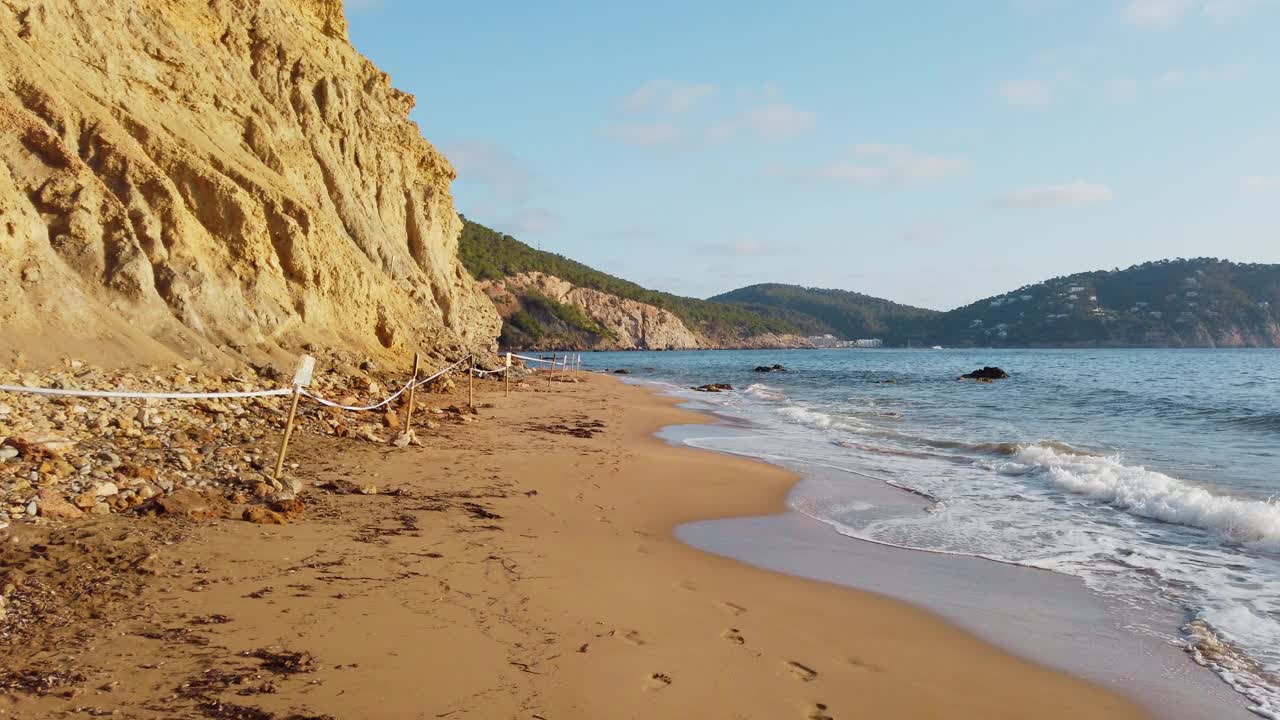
(520, 566)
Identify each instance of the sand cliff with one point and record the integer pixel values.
(221, 179)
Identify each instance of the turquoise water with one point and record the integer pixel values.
(1152, 475)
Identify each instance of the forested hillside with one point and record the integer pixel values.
(1203, 302)
(491, 255)
(842, 313)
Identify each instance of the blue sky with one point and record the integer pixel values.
(933, 153)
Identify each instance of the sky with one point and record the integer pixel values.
(933, 153)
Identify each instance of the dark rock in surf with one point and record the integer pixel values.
(771, 368)
(986, 374)
(622, 371)
(714, 387)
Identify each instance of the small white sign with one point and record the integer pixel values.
(508, 359)
(306, 367)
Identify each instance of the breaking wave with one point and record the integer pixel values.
(1151, 494)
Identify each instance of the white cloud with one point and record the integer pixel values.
(779, 120)
(534, 221)
(493, 166)
(1027, 93)
(878, 163)
(645, 134)
(1073, 194)
(923, 232)
(1176, 78)
(1172, 78)
(1156, 14)
(1224, 10)
(742, 248)
(1261, 183)
(671, 97)
(1168, 14)
(720, 132)
(1120, 88)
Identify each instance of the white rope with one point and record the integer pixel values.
(424, 381)
(225, 395)
(141, 395)
(387, 400)
(357, 408)
(554, 363)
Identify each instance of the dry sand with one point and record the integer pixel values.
(523, 566)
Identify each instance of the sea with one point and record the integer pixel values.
(1152, 476)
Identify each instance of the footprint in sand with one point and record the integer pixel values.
(657, 681)
(871, 667)
(733, 636)
(734, 608)
(818, 712)
(631, 636)
(803, 672)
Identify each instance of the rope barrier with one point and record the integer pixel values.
(297, 391)
(424, 381)
(358, 408)
(142, 395)
(537, 360)
(384, 401)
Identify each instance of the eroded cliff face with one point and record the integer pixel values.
(621, 324)
(218, 179)
(628, 324)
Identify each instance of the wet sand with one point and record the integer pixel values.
(523, 566)
(1041, 615)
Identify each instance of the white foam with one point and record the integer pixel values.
(764, 392)
(818, 420)
(1151, 494)
(1216, 636)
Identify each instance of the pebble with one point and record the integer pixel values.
(106, 489)
(75, 453)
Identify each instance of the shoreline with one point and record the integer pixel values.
(528, 566)
(1039, 615)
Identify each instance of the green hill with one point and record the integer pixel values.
(1203, 302)
(845, 314)
(491, 255)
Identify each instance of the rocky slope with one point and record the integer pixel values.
(638, 317)
(619, 324)
(223, 179)
(544, 312)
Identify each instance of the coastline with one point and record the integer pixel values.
(528, 566)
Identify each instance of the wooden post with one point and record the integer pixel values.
(288, 430)
(471, 384)
(506, 378)
(408, 415)
(301, 379)
(551, 371)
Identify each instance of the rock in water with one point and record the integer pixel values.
(713, 387)
(770, 368)
(197, 175)
(622, 371)
(986, 374)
